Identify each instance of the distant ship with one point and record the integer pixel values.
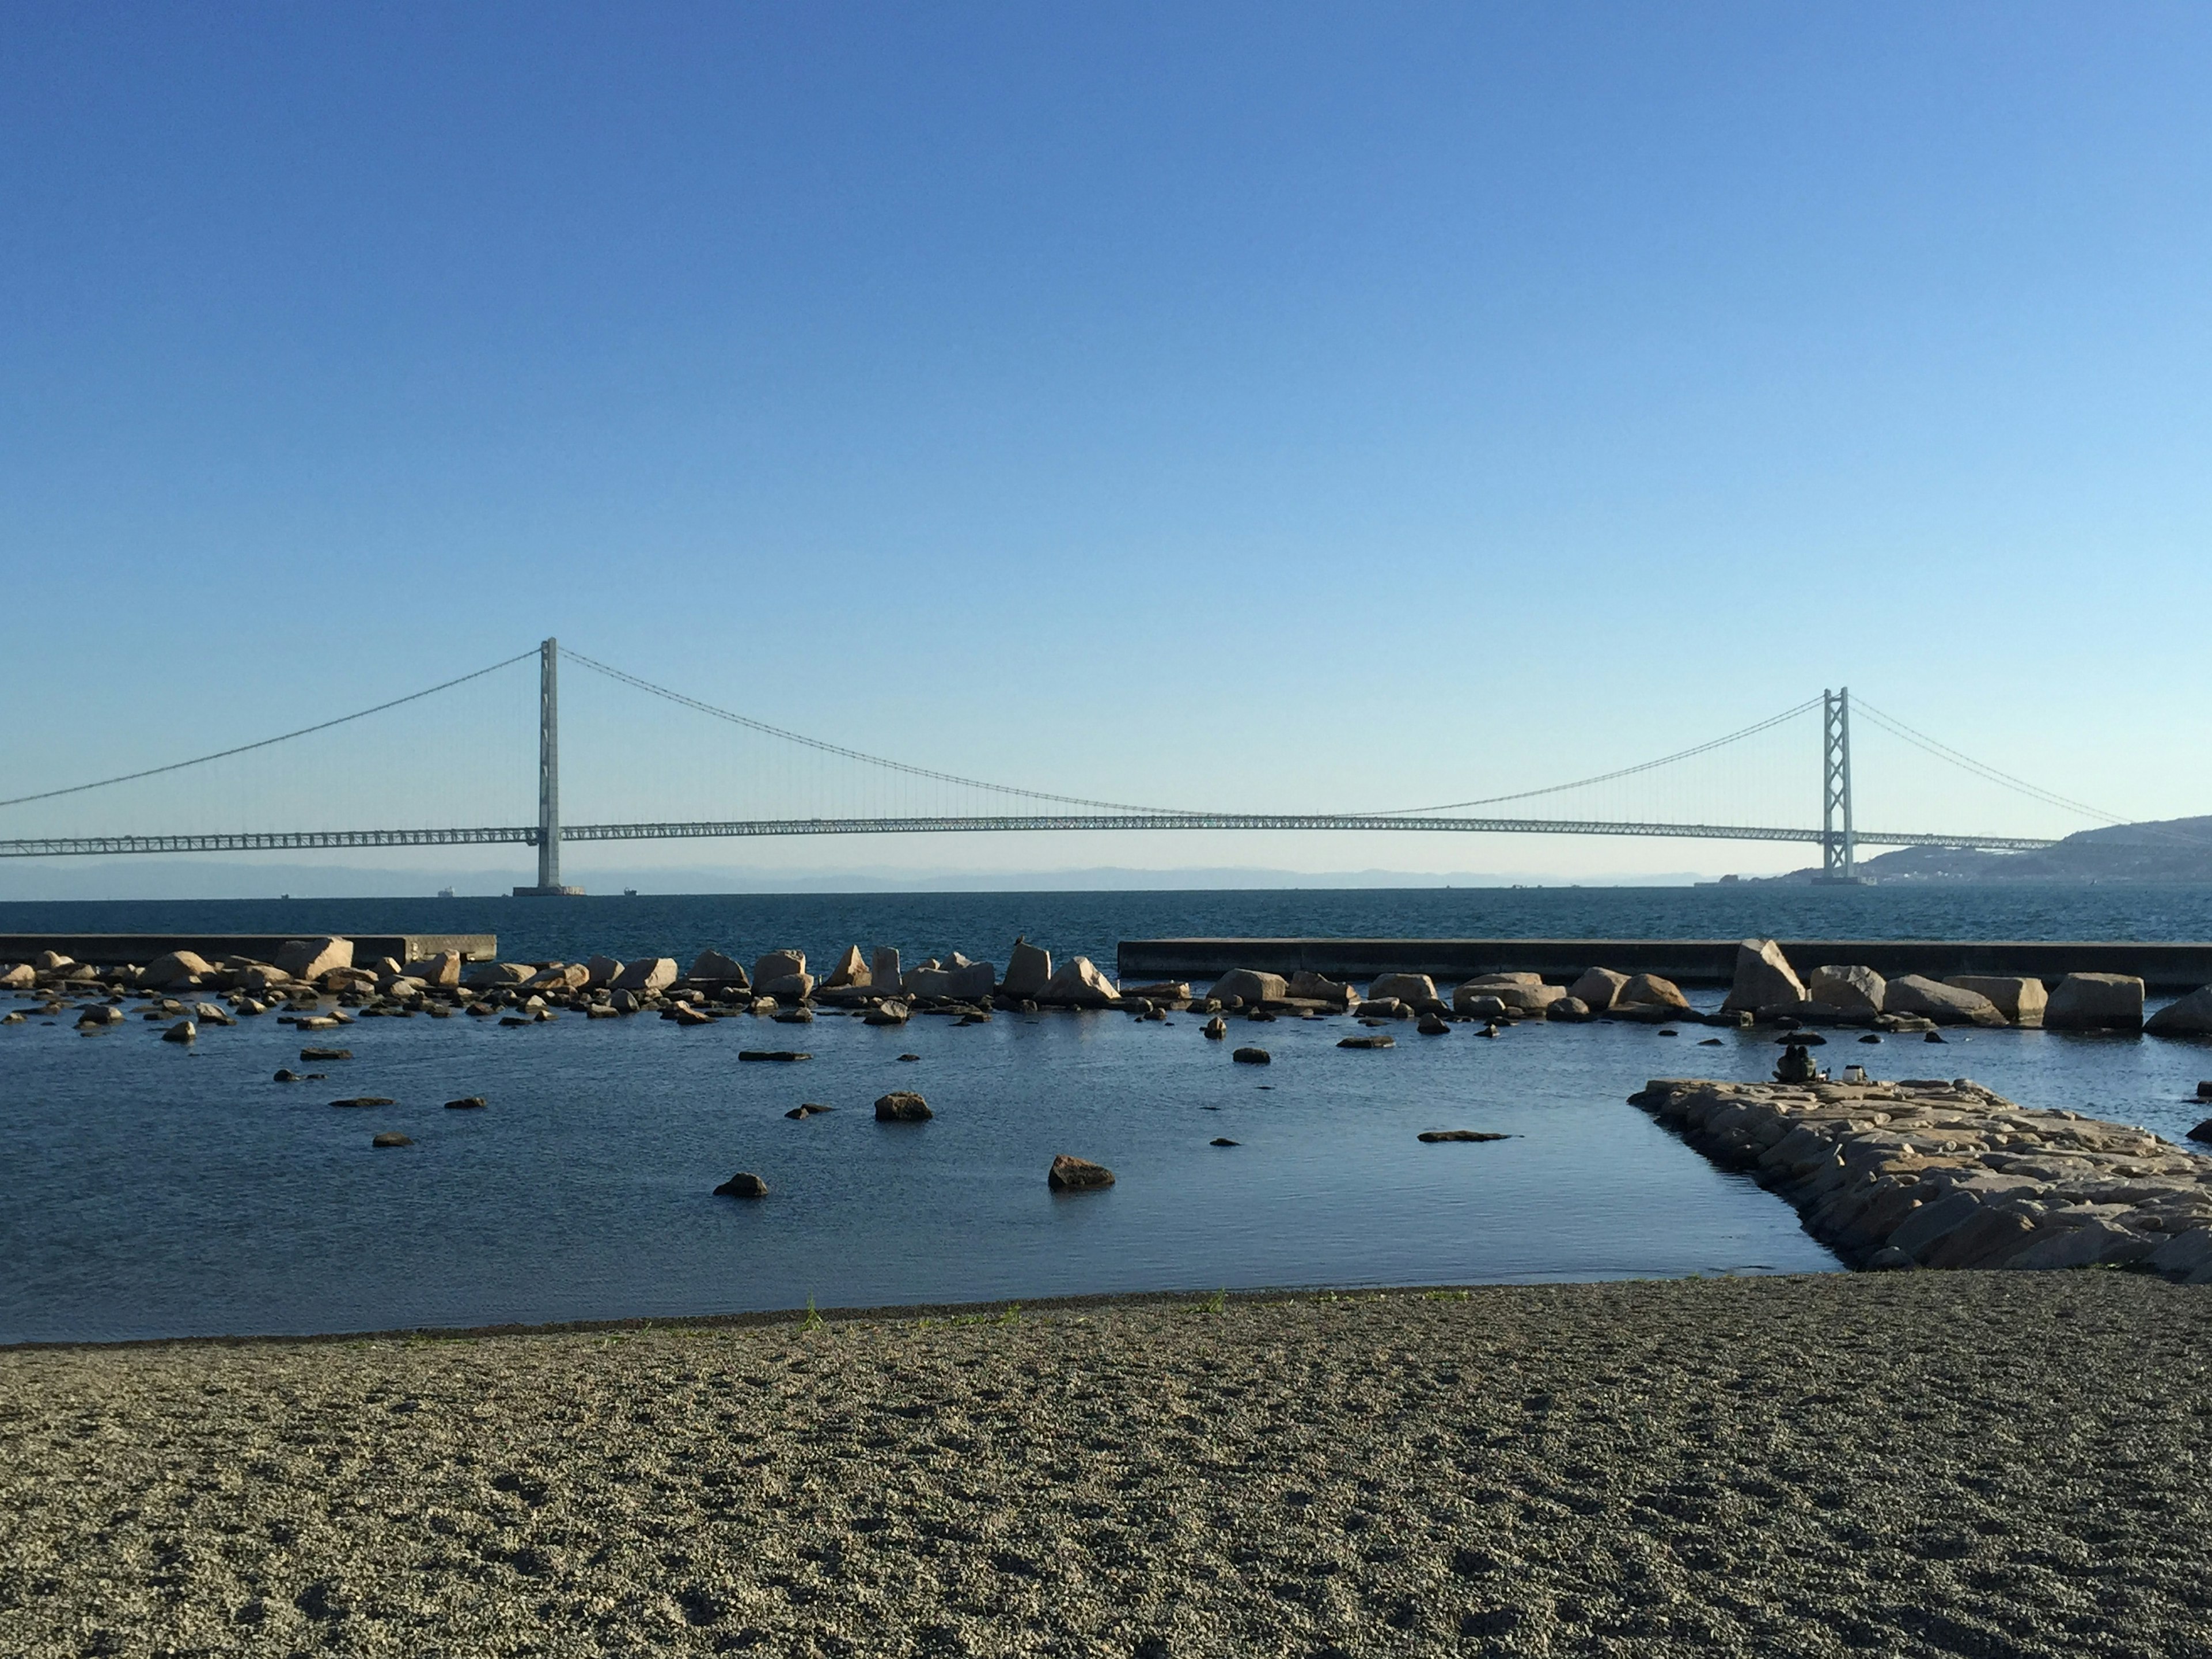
(629, 892)
(445, 892)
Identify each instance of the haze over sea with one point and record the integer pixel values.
(159, 1191)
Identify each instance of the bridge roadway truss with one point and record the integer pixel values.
(527, 835)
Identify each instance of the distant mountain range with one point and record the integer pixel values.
(2176, 849)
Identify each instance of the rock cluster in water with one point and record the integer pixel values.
(1929, 1174)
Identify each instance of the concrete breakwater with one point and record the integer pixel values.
(115, 949)
(1932, 1174)
(2161, 966)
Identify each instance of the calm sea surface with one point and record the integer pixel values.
(150, 1190)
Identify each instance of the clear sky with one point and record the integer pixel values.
(1244, 406)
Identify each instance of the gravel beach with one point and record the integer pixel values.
(1910, 1463)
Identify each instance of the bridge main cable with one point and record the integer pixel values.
(526, 834)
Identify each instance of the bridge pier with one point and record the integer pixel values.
(548, 778)
(1838, 848)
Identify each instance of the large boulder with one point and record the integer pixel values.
(713, 968)
(1947, 1004)
(786, 987)
(18, 976)
(2020, 1000)
(1650, 991)
(903, 1106)
(176, 970)
(883, 969)
(1851, 990)
(1418, 990)
(443, 968)
(851, 974)
(1078, 984)
(2096, 1002)
(560, 976)
(604, 971)
(1319, 988)
(311, 959)
(645, 975)
(1597, 989)
(497, 975)
(1525, 994)
(1763, 977)
(1250, 986)
(2189, 1016)
(1028, 970)
(777, 964)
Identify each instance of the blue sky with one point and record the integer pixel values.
(1244, 406)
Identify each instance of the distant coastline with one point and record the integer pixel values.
(2171, 850)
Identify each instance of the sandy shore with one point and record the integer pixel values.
(1924, 1463)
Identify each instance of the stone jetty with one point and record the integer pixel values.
(1931, 1174)
(325, 981)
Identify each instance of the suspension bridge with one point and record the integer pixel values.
(1836, 834)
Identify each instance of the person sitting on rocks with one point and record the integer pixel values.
(1797, 1066)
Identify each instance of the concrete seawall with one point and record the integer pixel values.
(112, 950)
(2160, 966)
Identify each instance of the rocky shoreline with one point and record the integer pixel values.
(1924, 1173)
(1905, 1464)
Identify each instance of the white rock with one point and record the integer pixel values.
(1764, 978)
(1078, 984)
(1415, 990)
(311, 959)
(851, 974)
(176, 969)
(1247, 984)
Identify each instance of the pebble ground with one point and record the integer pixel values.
(1908, 1464)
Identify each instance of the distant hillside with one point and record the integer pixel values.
(2177, 849)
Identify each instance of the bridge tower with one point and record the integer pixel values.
(548, 778)
(1838, 846)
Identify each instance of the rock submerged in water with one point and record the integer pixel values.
(1253, 1057)
(785, 1055)
(466, 1104)
(903, 1106)
(325, 1054)
(808, 1108)
(1077, 1175)
(1377, 1040)
(742, 1185)
(183, 1031)
(1435, 1135)
(366, 1100)
(1224, 1141)
(1433, 1025)
(391, 1138)
(1216, 1029)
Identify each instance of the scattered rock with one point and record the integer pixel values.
(1763, 977)
(1710, 1043)
(2202, 1131)
(99, 1015)
(771, 1053)
(1650, 991)
(1252, 1057)
(1388, 1008)
(325, 1054)
(807, 1110)
(391, 1138)
(1076, 1175)
(366, 1100)
(1869, 1037)
(887, 1014)
(801, 1015)
(909, 1056)
(183, 1031)
(686, 1016)
(1379, 1040)
(1215, 1029)
(1433, 1025)
(1319, 988)
(903, 1106)
(742, 1185)
(1224, 1141)
(1570, 1008)
(1434, 1135)
(285, 1074)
